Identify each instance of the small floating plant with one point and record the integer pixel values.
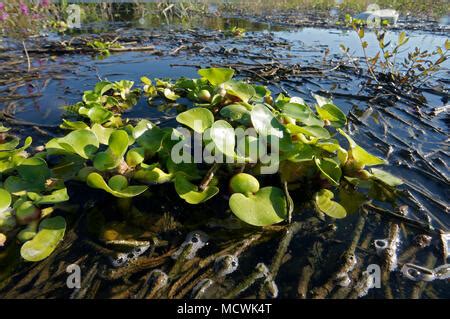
(294, 151)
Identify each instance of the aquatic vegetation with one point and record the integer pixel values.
(125, 158)
(385, 66)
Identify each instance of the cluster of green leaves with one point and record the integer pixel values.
(110, 154)
(413, 70)
(235, 32)
(102, 47)
(28, 191)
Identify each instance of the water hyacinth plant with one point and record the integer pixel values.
(107, 152)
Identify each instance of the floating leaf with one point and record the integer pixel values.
(268, 126)
(190, 192)
(216, 76)
(265, 207)
(302, 113)
(236, 112)
(386, 177)
(152, 139)
(361, 156)
(351, 199)
(55, 197)
(78, 125)
(222, 134)
(314, 131)
(113, 156)
(5, 200)
(170, 95)
(81, 142)
(51, 232)
(199, 119)
(152, 175)
(96, 114)
(135, 156)
(244, 183)
(9, 143)
(333, 114)
(102, 133)
(325, 204)
(330, 169)
(117, 186)
(26, 212)
(240, 90)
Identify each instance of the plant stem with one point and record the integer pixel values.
(27, 55)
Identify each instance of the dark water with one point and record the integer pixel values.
(378, 125)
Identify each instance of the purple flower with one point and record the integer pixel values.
(24, 9)
(4, 16)
(2, 6)
(45, 3)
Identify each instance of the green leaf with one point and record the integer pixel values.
(122, 190)
(222, 134)
(332, 113)
(69, 125)
(81, 142)
(190, 192)
(361, 156)
(386, 177)
(325, 204)
(244, 183)
(265, 207)
(10, 143)
(268, 126)
(216, 76)
(240, 89)
(51, 232)
(5, 200)
(135, 156)
(199, 119)
(152, 140)
(170, 95)
(96, 114)
(302, 113)
(113, 156)
(236, 112)
(57, 196)
(351, 199)
(329, 169)
(152, 175)
(102, 133)
(314, 131)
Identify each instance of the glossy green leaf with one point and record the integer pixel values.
(113, 156)
(236, 112)
(170, 95)
(9, 143)
(96, 114)
(81, 142)
(240, 90)
(152, 139)
(386, 177)
(265, 207)
(199, 119)
(51, 232)
(224, 138)
(5, 200)
(55, 197)
(95, 180)
(152, 175)
(190, 192)
(313, 131)
(329, 169)
(244, 183)
(302, 113)
(216, 76)
(135, 156)
(332, 113)
(325, 204)
(361, 156)
(69, 125)
(102, 133)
